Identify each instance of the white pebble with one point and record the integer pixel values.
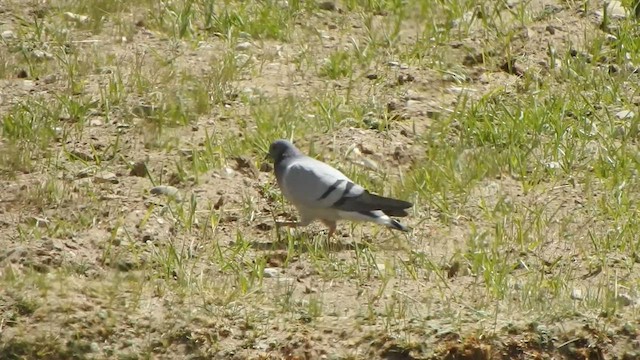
(625, 114)
(271, 272)
(577, 294)
(8, 35)
(243, 46)
(76, 17)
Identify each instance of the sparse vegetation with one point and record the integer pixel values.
(512, 126)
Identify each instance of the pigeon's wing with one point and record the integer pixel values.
(313, 184)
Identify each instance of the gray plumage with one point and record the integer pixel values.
(321, 192)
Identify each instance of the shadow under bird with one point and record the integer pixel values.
(321, 192)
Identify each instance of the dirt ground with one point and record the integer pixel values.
(94, 264)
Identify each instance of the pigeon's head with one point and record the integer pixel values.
(282, 149)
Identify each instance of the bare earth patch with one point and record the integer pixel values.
(137, 210)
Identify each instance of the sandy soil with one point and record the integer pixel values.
(95, 266)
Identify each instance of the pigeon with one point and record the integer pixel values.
(320, 192)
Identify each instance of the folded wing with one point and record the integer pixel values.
(314, 184)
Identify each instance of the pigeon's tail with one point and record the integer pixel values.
(395, 224)
(390, 206)
(368, 202)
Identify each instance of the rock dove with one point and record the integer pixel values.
(321, 192)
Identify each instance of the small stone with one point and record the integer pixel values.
(22, 74)
(518, 286)
(41, 55)
(553, 165)
(372, 76)
(95, 122)
(413, 95)
(625, 114)
(577, 294)
(265, 167)
(105, 177)
(219, 203)
(50, 79)
(243, 46)
(327, 5)
(227, 172)
(139, 169)
(286, 280)
(399, 154)
(250, 92)
(8, 35)
(392, 106)
(167, 190)
(368, 163)
(242, 59)
(631, 68)
(557, 63)
(28, 84)
(188, 153)
(405, 78)
(271, 272)
(625, 300)
(77, 18)
(65, 116)
(615, 10)
(510, 67)
(364, 149)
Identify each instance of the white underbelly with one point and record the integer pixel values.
(330, 214)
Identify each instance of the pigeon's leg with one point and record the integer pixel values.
(332, 227)
(294, 224)
(302, 223)
(280, 224)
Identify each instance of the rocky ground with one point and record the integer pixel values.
(137, 210)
